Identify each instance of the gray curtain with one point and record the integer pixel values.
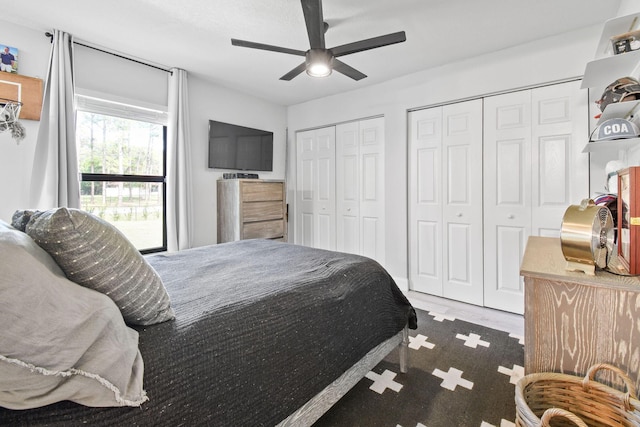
(178, 164)
(54, 180)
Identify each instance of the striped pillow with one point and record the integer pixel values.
(95, 254)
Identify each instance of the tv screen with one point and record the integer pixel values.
(239, 147)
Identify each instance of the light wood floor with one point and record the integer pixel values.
(496, 319)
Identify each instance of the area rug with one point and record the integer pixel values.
(461, 375)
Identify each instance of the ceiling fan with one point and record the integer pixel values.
(320, 61)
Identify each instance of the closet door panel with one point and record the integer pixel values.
(511, 180)
(428, 268)
(462, 206)
(539, 171)
(324, 237)
(370, 237)
(372, 201)
(425, 201)
(561, 171)
(509, 238)
(360, 188)
(507, 197)
(459, 268)
(306, 172)
(315, 199)
(305, 234)
(347, 188)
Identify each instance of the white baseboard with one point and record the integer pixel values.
(403, 284)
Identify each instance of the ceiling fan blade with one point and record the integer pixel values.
(291, 74)
(262, 46)
(347, 70)
(371, 43)
(312, 10)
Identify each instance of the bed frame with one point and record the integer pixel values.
(311, 411)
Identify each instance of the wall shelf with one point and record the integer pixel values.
(620, 110)
(613, 27)
(608, 67)
(609, 145)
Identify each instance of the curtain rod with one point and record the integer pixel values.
(50, 35)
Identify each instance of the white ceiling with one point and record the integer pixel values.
(195, 34)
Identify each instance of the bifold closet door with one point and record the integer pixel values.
(561, 172)
(315, 195)
(445, 213)
(360, 208)
(534, 170)
(507, 196)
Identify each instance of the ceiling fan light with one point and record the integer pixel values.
(318, 70)
(319, 62)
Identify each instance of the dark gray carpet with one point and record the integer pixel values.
(483, 397)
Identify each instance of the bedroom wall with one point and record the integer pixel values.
(214, 102)
(207, 101)
(16, 160)
(537, 63)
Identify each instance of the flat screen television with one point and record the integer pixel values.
(239, 148)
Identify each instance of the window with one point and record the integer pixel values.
(121, 154)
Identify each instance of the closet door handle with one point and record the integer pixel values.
(459, 214)
(511, 216)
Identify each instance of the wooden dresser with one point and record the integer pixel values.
(251, 209)
(573, 320)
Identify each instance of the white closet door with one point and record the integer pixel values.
(560, 169)
(372, 200)
(316, 206)
(462, 201)
(348, 187)
(360, 188)
(425, 201)
(445, 213)
(507, 197)
(534, 170)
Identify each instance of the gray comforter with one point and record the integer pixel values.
(260, 328)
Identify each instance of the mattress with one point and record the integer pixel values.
(261, 327)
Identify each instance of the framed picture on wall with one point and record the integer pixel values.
(9, 59)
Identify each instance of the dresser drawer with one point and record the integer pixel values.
(262, 191)
(263, 229)
(262, 211)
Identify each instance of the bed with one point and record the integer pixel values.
(262, 333)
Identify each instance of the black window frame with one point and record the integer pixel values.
(110, 177)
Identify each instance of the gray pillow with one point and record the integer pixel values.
(60, 341)
(21, 218)
(95, 254)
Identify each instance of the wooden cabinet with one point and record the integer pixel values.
(572, 320)
(251, 209)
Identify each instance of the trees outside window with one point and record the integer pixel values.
(122, 164)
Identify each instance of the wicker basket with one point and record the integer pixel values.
(573, 401)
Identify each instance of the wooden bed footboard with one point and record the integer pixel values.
(311, 411)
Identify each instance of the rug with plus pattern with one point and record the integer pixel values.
(460, 375)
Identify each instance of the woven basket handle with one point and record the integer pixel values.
(631, 388)
(557, 412)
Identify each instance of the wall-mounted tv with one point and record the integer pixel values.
(239, 147)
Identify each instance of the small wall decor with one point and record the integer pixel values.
(27, 90)
(9, 112)
(9, 59)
